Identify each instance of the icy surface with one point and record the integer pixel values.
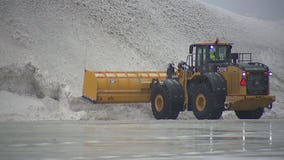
(46, 45)
(143, 140)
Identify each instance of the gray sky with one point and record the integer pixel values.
(262, 9)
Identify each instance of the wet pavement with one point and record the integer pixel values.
(149, 139)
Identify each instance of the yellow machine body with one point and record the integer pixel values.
(237, 97)
(119, 87)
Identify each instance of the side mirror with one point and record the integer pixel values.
(191, 49)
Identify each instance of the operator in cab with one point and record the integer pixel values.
(212, 52)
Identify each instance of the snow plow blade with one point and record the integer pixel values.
(119, 87)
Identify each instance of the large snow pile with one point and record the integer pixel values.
(46, 45)
(26, 95)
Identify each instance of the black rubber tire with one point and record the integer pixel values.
(165, 95)
(203, 101)
(191, 86)
(175, 97)
(255, 114)
(160, 102)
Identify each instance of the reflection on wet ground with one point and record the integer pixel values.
(222, 139)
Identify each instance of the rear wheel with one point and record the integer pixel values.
(255, 114)
(203, 101)
(166, 100)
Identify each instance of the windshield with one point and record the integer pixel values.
(218, 53)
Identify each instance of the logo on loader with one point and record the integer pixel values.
(112, 80)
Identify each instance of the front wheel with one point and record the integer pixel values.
(166, 99)
(255, 114)
(202, 103)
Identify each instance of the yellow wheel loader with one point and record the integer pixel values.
(210, 81)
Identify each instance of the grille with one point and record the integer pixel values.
(257, 83)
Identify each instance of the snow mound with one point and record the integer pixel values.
(26, 96)
(26, 80)
(20, 80)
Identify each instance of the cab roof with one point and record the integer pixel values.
(217, 42)
(213, 43)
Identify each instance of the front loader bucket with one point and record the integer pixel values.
(119, 87)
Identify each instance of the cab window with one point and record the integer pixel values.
(217, 53)
(201, 56)
(222, 53)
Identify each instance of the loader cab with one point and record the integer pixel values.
(207, 57)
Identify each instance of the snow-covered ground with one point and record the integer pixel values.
(46, 45)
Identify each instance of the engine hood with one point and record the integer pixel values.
(253, 67)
